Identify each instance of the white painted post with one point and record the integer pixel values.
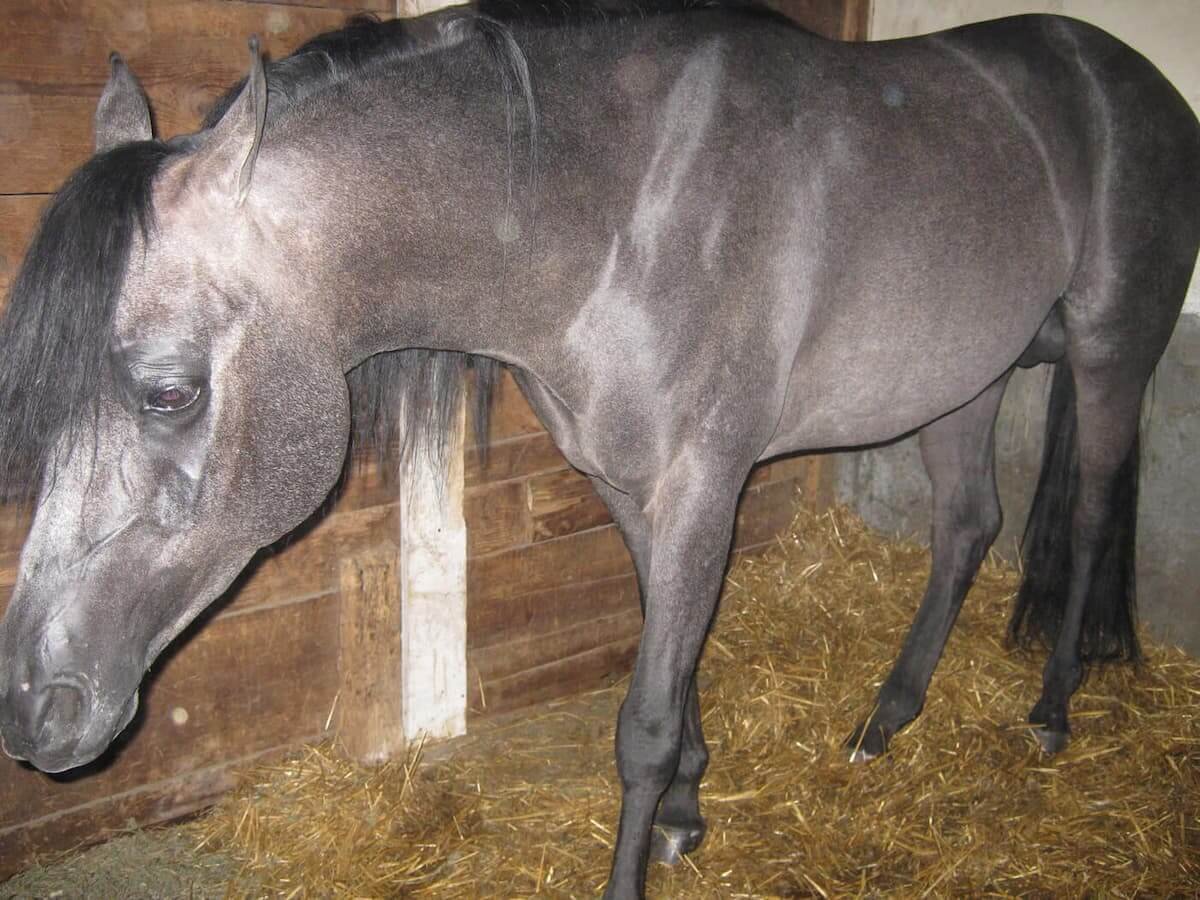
(433, 598)
(408, 8)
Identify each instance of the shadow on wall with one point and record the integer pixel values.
(888, 486)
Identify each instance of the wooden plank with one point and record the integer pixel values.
(856, 20)
(307, 564)
(574, 559)
(511, 414)
(147, 804)
(54, 63)
(825, 17)
(497, 517)
(781, 469)
(364, 484)
(563, 503)
(370, 691)
(517, 457)
(764, 512)
(18, 217)
(237, 686)
(499, 661)
(350, 6)
(433, 596)
(567, 676)
(500, 620)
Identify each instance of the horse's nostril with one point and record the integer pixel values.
(62, 708)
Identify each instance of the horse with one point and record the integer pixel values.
(698, 241)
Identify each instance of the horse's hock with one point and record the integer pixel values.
(533, 583)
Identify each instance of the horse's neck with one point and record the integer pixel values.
(409, 229)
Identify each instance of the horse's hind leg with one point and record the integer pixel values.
(1138, 252)
(678, 826)
(959, 455)
(1088, 614)
(1078, 592)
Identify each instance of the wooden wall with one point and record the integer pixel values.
(552, 605)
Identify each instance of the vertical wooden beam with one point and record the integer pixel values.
(370, 685)
(408, 8)
(856, 20)
(433, 597)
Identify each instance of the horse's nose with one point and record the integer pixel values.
(44, 721)
(60, 711)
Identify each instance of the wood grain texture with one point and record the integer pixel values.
(574, 559)
(498, 517)
(511, 414)
(370, 691)
(147, 804)
(562, 503)
(516, 457)
(587, 670)
(350, 6)
(534, 650)
(509, 619)
(18, 217)
(54, 63)
(306, 564)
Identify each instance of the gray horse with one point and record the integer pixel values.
(699, 241)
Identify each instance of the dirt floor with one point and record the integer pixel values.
(965, 804)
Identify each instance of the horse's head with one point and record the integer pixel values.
(169, 401)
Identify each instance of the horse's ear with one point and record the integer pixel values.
(230, 150)
(122, 115)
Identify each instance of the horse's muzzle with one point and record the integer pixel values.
(56, 726)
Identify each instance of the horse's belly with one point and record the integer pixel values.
(877, 378)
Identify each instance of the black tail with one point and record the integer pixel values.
(1109, 621)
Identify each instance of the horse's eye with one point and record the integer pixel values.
(172, 398)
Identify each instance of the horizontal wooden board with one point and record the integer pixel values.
(246, 682)
(511, 413)
(497, 517)
(500, 661)
(516, 457)
(54, 63)
(583, 672)
(350, 6)
(18, 217)
(764, 512)
(147, 804)
(506, 619)
(307, 564)
(574, 559)
(563, 503)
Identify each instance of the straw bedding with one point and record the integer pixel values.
(964, 804)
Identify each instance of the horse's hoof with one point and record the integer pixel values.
(867, 743)
(859, 755)
(670, 843)
(1051, 740)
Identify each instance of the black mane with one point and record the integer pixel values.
(54, 331)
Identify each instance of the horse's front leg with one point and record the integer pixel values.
(678, 826)
(691, 521)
